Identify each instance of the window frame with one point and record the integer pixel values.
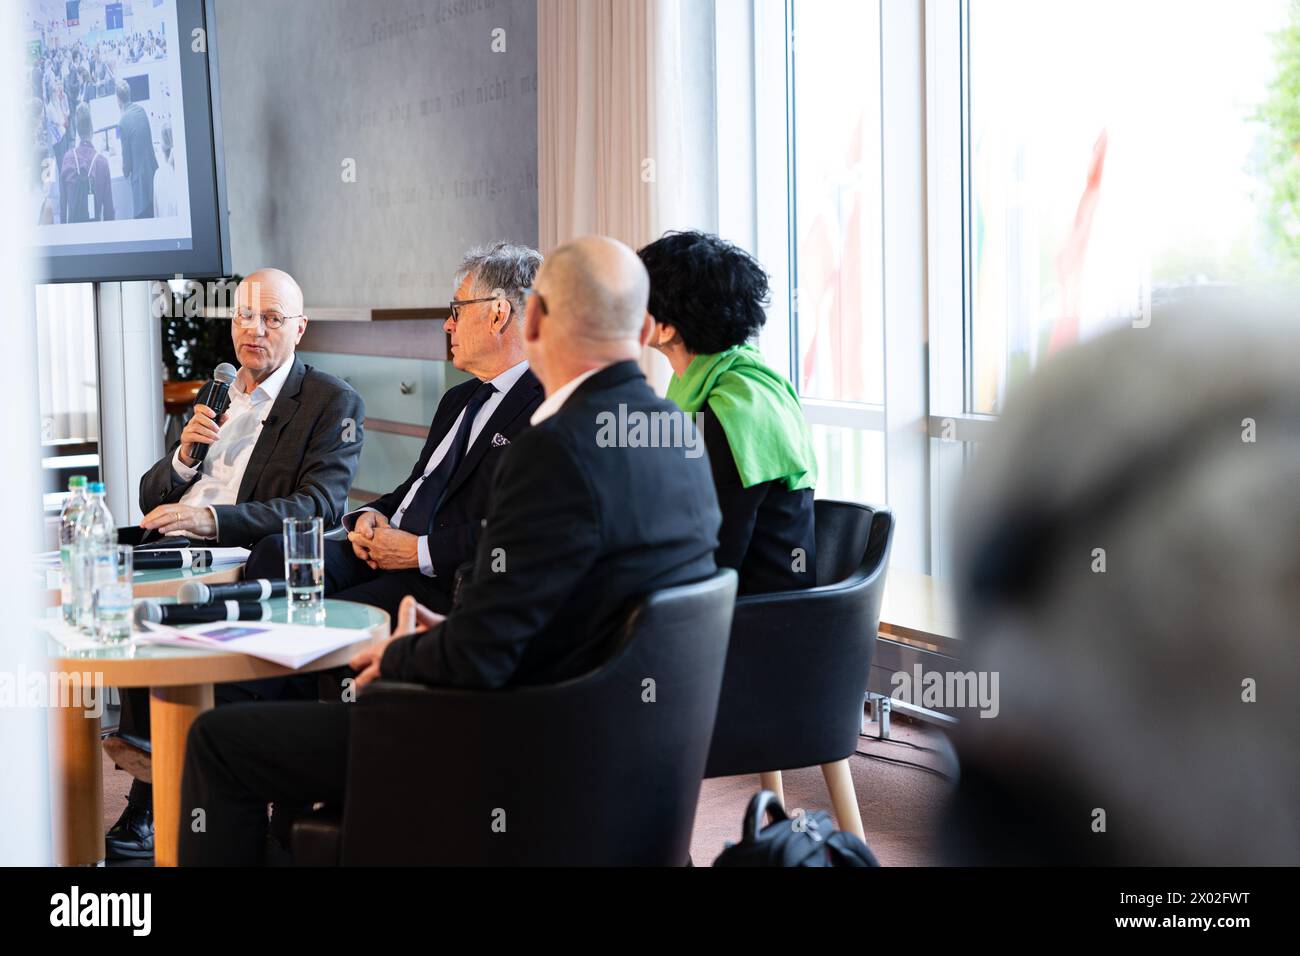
(953, 430)
(929, 431)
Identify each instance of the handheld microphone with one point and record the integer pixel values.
(215, 395)
(196, 592)
(172, 559)
(178, 614)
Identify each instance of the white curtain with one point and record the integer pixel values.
(65, 347)
(625, 123)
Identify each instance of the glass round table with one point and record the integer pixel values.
(155, 583)
(180, 682)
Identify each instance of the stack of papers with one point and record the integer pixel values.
(289, 645)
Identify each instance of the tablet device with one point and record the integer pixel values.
(147, 539)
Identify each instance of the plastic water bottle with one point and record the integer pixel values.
(72, 509)
(95, 544)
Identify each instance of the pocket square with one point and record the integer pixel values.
(499, 440)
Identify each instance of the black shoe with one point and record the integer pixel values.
(131, 837)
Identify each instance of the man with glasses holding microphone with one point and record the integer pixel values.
(412, 540)
(286, 447)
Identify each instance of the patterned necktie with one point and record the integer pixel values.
(418, 518)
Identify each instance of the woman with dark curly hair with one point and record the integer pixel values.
(707, 300)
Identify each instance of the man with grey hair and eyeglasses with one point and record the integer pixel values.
(412, 540)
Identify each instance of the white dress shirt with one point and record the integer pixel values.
(222, 471)
(555, 401)
(503, 382)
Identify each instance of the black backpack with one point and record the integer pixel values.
(79, 197)
(809, 839)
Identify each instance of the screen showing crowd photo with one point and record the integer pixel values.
(102, 83)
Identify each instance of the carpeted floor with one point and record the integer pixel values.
(900, 804)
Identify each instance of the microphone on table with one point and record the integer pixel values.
(215, 395)
(178, 614)
(261, 589)
(172, 559)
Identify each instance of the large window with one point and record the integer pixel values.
(837, 361)
(1119, 151)
(974, 185)
(836, 111)
(68, 378)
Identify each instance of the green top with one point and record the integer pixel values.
(759, 412)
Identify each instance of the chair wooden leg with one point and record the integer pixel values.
(772, 781)
(844, 800)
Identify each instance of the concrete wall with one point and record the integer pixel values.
(439, 125)
(442, 131)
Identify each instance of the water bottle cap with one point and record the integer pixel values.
(76, 481)
(96, 487)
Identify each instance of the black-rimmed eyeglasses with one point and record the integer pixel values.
(458, 304)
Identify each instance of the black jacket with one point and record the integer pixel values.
(768, 534)
(138, 160)
(455, 528)
(301, 466)
(575, 534)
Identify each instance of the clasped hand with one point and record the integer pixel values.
(381, 546)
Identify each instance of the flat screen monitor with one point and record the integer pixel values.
(126, 179)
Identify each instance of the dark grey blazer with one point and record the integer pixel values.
(301, 466)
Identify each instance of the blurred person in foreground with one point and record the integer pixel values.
(1128, 561)
(708, 300)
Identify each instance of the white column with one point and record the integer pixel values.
(130, 392)
(24, 797)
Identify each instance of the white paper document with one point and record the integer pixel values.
(289, 645)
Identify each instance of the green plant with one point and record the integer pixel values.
(1281, 113)
(193, 342)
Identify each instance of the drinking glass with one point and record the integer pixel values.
(304, 562)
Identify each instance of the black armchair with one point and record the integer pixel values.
(798, 662)
(604, 769)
